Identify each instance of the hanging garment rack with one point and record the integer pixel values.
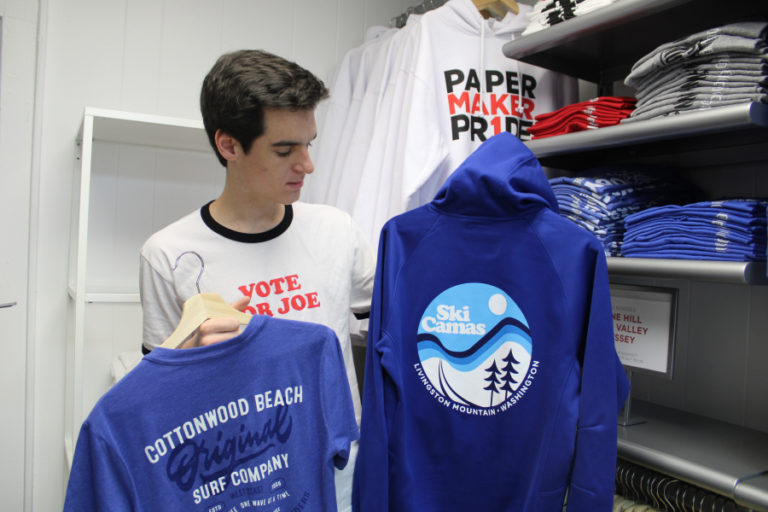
(488, 8)
(667, 493)
(496, 8)
(426, 5)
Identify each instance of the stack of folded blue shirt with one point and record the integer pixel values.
(717, 67)
(731, 230)
(599, 200)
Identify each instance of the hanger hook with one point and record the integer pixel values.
(202, 266)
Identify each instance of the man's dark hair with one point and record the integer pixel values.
(241, 84)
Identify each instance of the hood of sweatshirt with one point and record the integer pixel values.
(502, 178)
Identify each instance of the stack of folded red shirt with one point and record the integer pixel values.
(586, 115)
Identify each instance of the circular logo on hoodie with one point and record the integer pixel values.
(475, 349)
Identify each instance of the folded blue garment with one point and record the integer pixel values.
(730, 229)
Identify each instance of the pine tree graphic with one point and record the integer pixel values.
(492, 379)
(509, 370)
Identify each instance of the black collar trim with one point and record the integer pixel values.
(250, 238)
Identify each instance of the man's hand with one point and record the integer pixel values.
(219, 329)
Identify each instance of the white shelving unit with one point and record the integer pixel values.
(601, 47)
(104, 309)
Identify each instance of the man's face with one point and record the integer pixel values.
(275, 167)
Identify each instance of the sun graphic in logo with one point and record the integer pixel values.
(474, 345)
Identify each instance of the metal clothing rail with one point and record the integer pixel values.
(426, 5)
(666, 493)
(488, 8)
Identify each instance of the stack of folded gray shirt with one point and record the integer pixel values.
(712, 68)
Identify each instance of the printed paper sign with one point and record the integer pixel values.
(642, 327)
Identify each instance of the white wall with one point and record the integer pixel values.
(147, 56)
(18, 25)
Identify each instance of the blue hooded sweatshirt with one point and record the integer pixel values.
(491, 381)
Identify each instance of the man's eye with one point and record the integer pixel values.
(283, 153)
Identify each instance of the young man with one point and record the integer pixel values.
(255, 245)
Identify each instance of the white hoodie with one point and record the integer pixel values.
(449, 88)
(348, 86)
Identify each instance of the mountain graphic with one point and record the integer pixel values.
(448, 390)
(508, 329)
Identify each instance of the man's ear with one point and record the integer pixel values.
(226, 144)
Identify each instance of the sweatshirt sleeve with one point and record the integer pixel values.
(604, 388)
(98, 480)
(371, 479)
(338, 410)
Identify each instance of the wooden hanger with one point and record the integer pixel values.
(496, 8)
(198, 309)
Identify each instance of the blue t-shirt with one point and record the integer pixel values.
(259, 419)
(600, 199)
(732, 230)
